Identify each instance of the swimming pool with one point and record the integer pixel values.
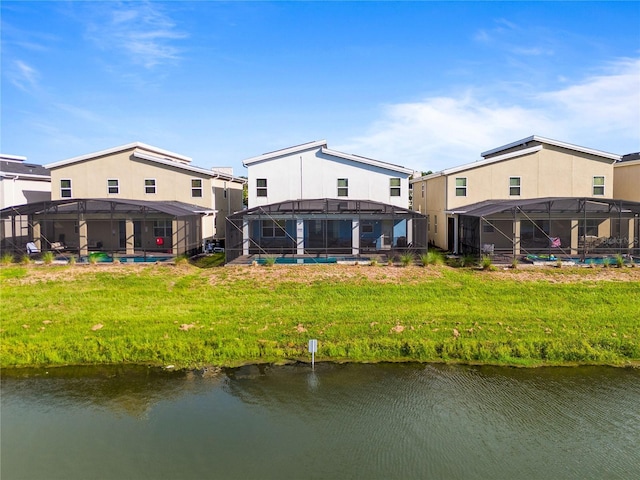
(312, 260)
(102, 257)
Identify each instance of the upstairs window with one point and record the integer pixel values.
(65, 188)
(598, 186)
(394, 187)
(261, 187)
(461, 187)
(514, 186)
(422, 188)
(196, 187)
(343, 187)
(113, 186)
(435, 224)
(150, 185)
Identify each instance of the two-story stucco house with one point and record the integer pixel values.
(626, 177)
(20, 183)
(135, 197)
(309, 199)
(528, 196)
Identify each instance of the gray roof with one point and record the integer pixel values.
(630, 156)
(105, 205)
(549, 204)
(327, 206)
(22, 168)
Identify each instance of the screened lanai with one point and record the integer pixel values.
(114, 226)
(548, 227)
(327, 227)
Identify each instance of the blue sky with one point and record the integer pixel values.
(426, 85)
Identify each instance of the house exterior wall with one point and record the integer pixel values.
(549, 172)
(20, 191)
(313, 174)
(626, 180)
(90, 179)
(546, 173)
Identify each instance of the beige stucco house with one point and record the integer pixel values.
(136, 197)
(626, 178)
(532, 171)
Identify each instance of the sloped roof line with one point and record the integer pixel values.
(163, 161)
(117, 149)
(557, 143)
(367, 161)
(284, 151)
(480, 163)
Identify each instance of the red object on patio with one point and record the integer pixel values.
(159, 241)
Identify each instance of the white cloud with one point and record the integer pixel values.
(601, 112)
(139, 30)
(24, 76)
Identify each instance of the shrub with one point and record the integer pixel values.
(619, 261)
(373, 262)
(431, 258)
(606, 262)
(468, 261)
(269, 261)
(486, 262)
(514, 263)
(406, 259)
(47, 257)
(72, 260)
(25, 260)
(7, 259)
(390, 260)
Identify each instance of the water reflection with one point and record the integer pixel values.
(337, 421)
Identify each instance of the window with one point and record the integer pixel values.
(274, 228)
(487, 228)
(435, 224)
(65, 188)
(113, 186)
(423, 188)
(590, 227)
(196, 187)
(343, 187)
(150, 185)
(366, 227)
(461, 187)
(162, 228)
(514, 186)
(261, 187)
(598, 186)
(394, 187)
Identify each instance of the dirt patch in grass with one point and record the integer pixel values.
(309, 274)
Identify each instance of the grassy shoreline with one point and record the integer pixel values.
(189, 317)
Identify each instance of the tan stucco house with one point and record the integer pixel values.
(135, 197)
(626, 177)
(535, 171)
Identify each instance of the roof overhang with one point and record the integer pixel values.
(367, 161)
(556, 143)
(121, 148)
(284, 151)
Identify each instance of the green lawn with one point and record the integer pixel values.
(188, 316)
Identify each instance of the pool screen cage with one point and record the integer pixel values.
(325, 227)
(552, 227)
(72, 227)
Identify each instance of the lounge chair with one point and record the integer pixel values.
(32, 249)
(58, 246)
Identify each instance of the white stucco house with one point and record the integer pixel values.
(311, 200)
(20, 182)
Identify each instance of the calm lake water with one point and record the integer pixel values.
(337, 422)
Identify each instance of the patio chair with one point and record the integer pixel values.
(32, 249)
(58, 247)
